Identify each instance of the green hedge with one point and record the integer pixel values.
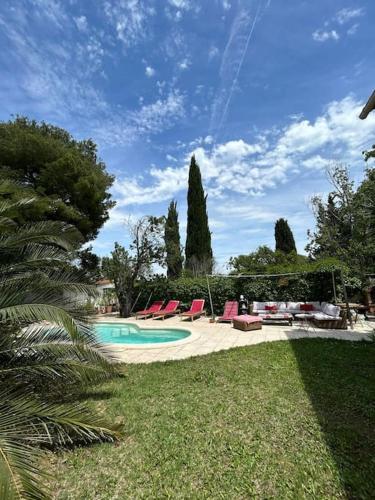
(312, 286)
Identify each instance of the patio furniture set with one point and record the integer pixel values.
(319, 314)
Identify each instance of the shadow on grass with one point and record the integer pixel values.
(339, 378)
(98, 395)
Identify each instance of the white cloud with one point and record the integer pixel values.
(153, 116)
(213, 52)
(149, 71)
(81, 23)
(300, 148)
(129, 18)
(171, 158)
(184, 64)
(226, 5)
(353, 29)
(181, 4)
(149, 119)
(65, 92)
(51, 10)
(347, 14)
(342, 17)
(323, 36)
(166, 182)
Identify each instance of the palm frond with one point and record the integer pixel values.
(7, 205)
(26, 422)
(20, 475)
(46, 346)
(33, 313)
(46, 353)
(45, 232)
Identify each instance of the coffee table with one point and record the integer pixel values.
(278, 318)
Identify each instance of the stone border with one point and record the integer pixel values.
(193, 336)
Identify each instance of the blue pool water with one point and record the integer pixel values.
(127, 333)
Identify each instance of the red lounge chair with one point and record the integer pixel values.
(156, 306)
(169, 310)
(196, 310)
(230, 310)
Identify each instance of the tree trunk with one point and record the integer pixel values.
(125, 303)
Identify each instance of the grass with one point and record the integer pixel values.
(278, 420)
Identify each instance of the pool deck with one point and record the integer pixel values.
(207, 337)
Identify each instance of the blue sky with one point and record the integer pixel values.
(266, 93)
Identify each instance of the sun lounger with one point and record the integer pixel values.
(230, 310)
(169, 310)
(195, 311)
(156, 306)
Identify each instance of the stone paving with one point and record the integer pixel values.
(207, 337)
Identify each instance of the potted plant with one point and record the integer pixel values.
(109, 297)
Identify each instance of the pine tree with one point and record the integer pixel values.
(198, 249)
(172, 242)
(284, 237)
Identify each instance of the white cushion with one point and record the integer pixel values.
(293, 305)
(258, 305)
(281, 306)
(321, 315)
(331, 310)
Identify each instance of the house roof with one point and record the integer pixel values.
(370, 106)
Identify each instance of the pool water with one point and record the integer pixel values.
(128, 333)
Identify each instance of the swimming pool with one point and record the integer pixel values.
(128, 333)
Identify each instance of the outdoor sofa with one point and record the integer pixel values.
(322, 314)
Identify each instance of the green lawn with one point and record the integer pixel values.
(278, 420)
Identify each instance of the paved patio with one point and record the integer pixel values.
(207, 337)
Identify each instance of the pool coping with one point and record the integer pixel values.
(193, 336)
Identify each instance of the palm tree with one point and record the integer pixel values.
(48, 352)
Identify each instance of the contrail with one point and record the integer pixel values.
(235, 33)
(235, 79)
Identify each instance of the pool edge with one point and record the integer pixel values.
(193, 336)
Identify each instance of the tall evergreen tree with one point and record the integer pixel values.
(172, 242)
(198, 249)
(284, 237)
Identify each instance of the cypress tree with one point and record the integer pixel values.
(198, 249)
(284, 237)
(172, 242)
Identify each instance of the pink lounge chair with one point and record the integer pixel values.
(169, 310)
(195, 311)
(156, 306)
(230, 310)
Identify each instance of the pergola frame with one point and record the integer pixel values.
(281, 275)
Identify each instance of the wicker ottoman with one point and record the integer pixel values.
(247, 323)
